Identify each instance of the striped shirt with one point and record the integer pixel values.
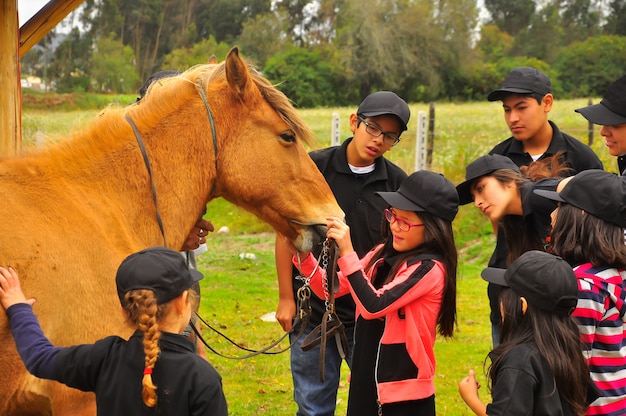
(601, 314)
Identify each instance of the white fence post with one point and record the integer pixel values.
(420, 141)
(335, 136)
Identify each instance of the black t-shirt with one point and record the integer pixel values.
(524, 385)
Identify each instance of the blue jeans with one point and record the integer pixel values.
(316, 398)
(495, 334)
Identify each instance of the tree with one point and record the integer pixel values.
(494, 43)
(264, 36)
(511, 16)
(71, 64)
(224, 19)
(304, 77)
(113, 69)
(616, 22)
(587, 68)
(183, 58)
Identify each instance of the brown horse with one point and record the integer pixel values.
(70, 213)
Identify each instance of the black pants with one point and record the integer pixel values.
(423, 407)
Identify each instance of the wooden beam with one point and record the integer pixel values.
(41, 23)
(11, 102)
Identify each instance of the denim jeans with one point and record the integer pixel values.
(495, 334)
(316, 398)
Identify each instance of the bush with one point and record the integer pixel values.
(587, 68)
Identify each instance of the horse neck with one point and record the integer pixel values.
(110, 175)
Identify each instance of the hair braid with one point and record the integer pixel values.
(143, 311)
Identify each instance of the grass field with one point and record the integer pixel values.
(237, 292)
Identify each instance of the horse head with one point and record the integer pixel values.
(261, 162)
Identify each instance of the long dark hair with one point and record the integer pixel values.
(584, 238)
(521, 238)
(439, 240)
(557, 339)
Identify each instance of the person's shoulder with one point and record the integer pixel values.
(502, 148)
(393, 170)
(324, 152)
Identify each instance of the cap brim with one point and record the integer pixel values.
(196, 275)
(553, 195)
(600, 114)
(396, 200)
(494, 275)
(465, 193)
(500, 94)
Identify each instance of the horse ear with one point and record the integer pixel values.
(212, 59)
(236, 72)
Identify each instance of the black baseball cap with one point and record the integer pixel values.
(522, 80)
(159, 269)
(595, 191)
(482, 166)
(546, 281)
(385, 102)
(425, 191)
(611, 110)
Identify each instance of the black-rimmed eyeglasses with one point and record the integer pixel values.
(390, 138)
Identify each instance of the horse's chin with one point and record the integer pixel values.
(310, 237)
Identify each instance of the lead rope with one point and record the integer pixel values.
(331, 325)
(146, 161)
(303, 315)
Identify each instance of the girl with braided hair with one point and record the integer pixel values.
(156, 371)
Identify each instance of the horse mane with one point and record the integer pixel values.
(165, 96)
(170, 96)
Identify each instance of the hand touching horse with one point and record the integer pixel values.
(73, 211)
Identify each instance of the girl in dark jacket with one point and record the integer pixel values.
(156, 371)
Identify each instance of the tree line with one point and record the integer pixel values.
(335, 52)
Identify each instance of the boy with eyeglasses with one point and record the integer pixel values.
(354, 171)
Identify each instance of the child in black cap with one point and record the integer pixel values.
(610, 113)
(404, 290)
(156, 368)
(538, 368)
(588, 232)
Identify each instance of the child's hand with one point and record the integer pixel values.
(10, 289)
(469, 385)
(468, 388)
(340, 232)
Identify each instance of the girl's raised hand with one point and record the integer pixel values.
(10, 289)
(340, 232)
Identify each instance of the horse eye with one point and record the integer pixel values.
(288, 137)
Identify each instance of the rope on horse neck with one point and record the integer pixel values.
(146, 161)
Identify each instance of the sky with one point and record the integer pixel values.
(27, 8)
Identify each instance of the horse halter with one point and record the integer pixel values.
(146, 159)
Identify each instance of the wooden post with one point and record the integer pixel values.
(335, 135)
(431, 136)
(590, 128)
(10, 104)
(420, 141)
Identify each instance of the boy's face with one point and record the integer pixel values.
(524, 115)
(365, 148)
(615, 138)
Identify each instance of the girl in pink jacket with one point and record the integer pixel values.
(405, 292)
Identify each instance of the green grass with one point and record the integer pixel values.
(237, 292)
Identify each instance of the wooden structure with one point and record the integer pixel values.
(14, 43)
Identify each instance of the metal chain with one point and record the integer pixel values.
(324, 256)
